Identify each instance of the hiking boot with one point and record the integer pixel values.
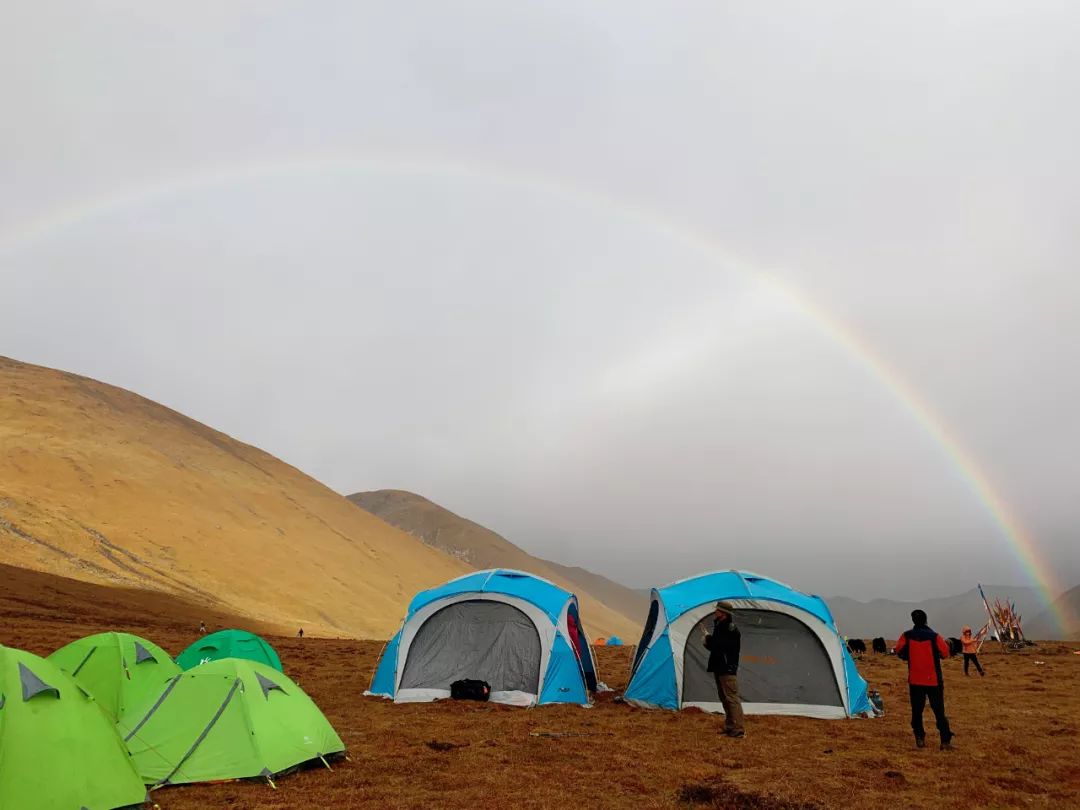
(920, 742)
(736, 734)
(946, 744)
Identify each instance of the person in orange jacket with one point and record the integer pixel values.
(923, 650)
(970, 644)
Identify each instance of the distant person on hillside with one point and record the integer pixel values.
(301, 633)
(923, 650)
(723, 645)
(971, 650)
(202, 628)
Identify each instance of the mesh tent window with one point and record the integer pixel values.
(478, 639)
(781, 661)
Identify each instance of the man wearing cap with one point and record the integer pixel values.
(723, 645)
(923, 650)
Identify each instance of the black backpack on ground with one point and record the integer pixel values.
(468, 689)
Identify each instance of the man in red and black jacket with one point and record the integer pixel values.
(923, 650)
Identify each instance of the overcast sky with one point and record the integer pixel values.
(537, 261)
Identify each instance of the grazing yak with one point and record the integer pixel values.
(879, 646)
(856, 646)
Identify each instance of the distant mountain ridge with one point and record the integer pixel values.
(607, 607)
(1045, 625)
(628, 601)
(947, 614)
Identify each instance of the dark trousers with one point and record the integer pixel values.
(972, 658)
(727, 689)
(590, 680)
(936, 696)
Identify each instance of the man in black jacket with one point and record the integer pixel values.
(723, 645)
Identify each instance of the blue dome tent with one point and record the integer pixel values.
(793, 660)
(518, 632)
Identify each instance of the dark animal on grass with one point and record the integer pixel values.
(879, 646)
(856, 645)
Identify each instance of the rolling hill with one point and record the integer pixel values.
(1045, 625)
(947, 614)
(606, 607)
(104, 486)
(34, 605)
(628, 601)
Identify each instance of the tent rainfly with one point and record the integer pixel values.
(58, 751)
(228, 719)
(118, 669)
(229, 644)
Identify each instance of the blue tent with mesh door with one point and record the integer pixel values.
(793, 660)
(519, 633)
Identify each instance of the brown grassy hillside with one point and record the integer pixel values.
(100, 484)
(36, 607)
(483, 548)
(628, 601)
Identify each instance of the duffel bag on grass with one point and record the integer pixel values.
(468, 689)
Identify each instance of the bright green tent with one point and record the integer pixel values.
(226, 719)
(229, 644)
(118, 669)
(57, 750)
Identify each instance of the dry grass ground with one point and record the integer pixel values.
(1018, 737)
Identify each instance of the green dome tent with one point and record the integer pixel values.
(226, 719)
(117, 669)
(229, 644)
(57, 750)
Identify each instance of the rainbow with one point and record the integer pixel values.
(1020, 539)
